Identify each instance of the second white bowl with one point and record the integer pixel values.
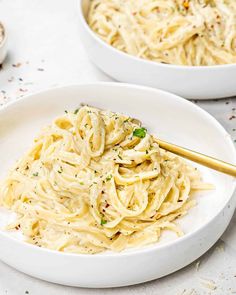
(201, 82)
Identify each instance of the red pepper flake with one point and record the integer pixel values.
(11, 79)
(40, 69)
(232, 117)
(17, 65)
(23, 90)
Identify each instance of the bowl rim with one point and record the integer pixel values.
(123, 54)
(132, 251)
(5, 35)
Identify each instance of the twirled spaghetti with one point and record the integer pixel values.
(182, 32)
(95, 180)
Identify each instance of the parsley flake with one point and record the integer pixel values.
(109, 177)
(140, 132)
(103, 221)
(120, 157)
(60, 171)
(76, 111)
(36, 174)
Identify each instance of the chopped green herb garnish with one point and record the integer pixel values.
(140, 132)
(60, 171)
(109, 177)
(76, 111)
(146, 152)
(66, 111)
(36, 174)
(81, 183)
(120, 157)
(127, 120)
(103, 221)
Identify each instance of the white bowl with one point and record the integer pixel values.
(190, 82)
(166, 115)
(3, 45)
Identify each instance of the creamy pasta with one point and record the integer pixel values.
(96, 180)
(182, 32)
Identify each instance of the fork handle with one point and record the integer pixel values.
(198, 157)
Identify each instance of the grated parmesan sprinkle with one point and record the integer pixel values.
(210, 284)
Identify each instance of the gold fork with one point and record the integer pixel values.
(202, 159)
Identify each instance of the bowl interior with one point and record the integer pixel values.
(165, 115)
(85, 7)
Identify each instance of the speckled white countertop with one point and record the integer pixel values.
(45, 51)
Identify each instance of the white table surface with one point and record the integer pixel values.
(45, 51)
